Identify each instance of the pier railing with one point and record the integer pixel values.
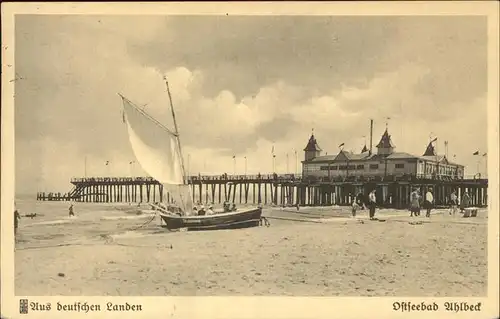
(287, 178)
(191, 179)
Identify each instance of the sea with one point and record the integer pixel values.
(92, 223)
(52, 225)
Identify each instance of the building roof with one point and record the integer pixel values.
(312, 145)
(439, 158)
(343, 156)
(401, 155)
(365, 155)
(385, 141)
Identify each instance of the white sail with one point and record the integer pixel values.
(181, 195)
(156, 150)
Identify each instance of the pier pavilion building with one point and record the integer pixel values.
(386, 162)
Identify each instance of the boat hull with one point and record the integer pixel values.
(232, 220)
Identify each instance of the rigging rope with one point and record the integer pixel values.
(144, 224)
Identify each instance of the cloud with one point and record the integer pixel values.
(253, 83)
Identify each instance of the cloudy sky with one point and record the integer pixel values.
(241, 85)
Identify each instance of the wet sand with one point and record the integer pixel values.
(328, 256)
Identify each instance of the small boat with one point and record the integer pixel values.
(158, 151)
(231, 220)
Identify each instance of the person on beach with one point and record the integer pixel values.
(429, 202)
(454, 203)
(414, 203)
(360, 200)
(465, 202)
(355, 207)
(17, 217)
(201, 211)
(233, 209)
(71, 213)
(372, 203)
(210, 210)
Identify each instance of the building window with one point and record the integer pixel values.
(334, 168)
(400, 165)
(324, 168)
(373, 166)
(352, 167)
(343, 167)
(360, 167)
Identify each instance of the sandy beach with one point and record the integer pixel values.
(329, 255)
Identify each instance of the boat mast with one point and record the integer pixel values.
(176, 130)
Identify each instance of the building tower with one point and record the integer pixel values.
(312, 149)
(385, 147)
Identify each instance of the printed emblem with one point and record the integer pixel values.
(23, 306)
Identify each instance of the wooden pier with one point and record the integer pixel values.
(273, 189)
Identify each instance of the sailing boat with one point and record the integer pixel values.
(158, 151)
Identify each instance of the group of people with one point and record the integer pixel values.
(201, 211)
(427, 202)
(17, 216)
(359, 203)
(417, 201)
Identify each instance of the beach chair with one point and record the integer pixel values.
(470, 212)
(473, 212)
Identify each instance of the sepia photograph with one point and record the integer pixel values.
(251, 155)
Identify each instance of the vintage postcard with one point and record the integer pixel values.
(250, 160)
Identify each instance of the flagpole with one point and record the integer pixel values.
(234, 165)
(478, 174)
(245, 166)
(478, 163)
(85, 166)
(272, 160)
(485, 165)
(287, 167)
(296, 163)
(437, 160)
(107, 168)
